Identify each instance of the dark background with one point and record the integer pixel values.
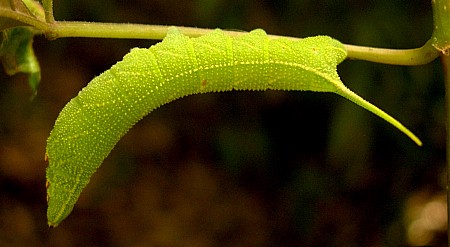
(247, 168)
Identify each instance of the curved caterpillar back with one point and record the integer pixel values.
(93, 122)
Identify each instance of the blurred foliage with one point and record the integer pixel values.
(17, 55)
(246, 168)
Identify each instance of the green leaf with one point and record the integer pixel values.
(17, 54)
(15, 13)
(35, 9)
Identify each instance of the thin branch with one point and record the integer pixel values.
(21, 19)
(62, 29)
(418, 56)
(441, 41)
(48, 9)
(446, 68)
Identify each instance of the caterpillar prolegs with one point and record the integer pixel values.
(92, 123)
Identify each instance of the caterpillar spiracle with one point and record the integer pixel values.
(92, 123)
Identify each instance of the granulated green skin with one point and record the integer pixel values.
(92, 123)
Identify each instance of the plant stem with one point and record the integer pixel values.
(418, 56)
(48, 9)
(441, 41)
(60, 29)
(21, 19)
(64, 29)
(441, 21)
(446, 68)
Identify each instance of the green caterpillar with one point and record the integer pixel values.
(93, 122)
